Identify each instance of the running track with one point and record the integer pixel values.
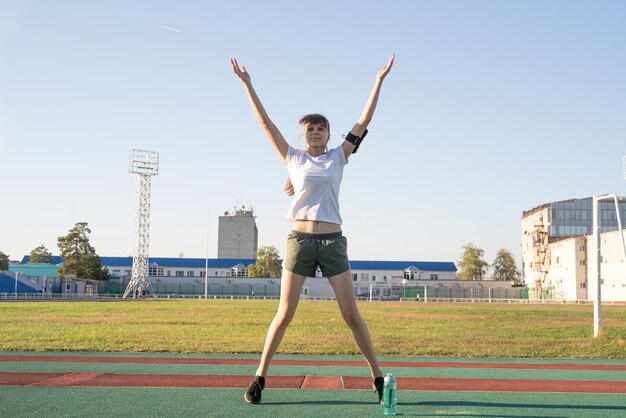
(615, 385)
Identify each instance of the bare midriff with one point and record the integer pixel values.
(315, 227)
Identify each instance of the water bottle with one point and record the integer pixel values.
(390, 395)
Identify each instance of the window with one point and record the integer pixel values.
(191, 273)
(116, 272)
(384, 278)
(434, 277)
(239, 272)
(583, 285)
(155, 271)
(373, 278)
(180, 273)
(127, 272)
(355, 277)
(608, 215)
(68, 286)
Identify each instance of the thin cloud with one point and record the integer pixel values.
(159, 26)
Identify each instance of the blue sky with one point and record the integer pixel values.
(492, 108)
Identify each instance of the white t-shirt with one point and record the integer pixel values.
(316, 182)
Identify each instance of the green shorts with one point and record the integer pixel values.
(307, 251)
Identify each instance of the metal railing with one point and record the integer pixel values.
(83, 297)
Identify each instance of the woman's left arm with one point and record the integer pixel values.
(366, 117)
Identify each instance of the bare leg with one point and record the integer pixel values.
(290, 288)
(344, 292)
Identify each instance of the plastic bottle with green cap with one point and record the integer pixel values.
(390, 395)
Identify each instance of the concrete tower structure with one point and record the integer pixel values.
(238, 236)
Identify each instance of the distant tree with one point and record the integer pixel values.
(267, 263)
(4, 261)
(41, 255)
(251, 271)
(472, 265)
(504, 267)
(79, 257)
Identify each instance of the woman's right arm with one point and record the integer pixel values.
(271, 130)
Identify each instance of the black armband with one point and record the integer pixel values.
(355, 140)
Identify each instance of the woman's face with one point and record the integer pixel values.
(316, 135)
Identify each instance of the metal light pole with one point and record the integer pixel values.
(206, 264)
(16, 274)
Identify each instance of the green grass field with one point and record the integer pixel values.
(239, 326)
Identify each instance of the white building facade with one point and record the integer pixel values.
(612, 267)
(375, 280)
(381, 279)
(559, 256)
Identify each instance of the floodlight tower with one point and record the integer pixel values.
(145, 164)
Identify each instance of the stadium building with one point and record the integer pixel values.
(380, 279)
(558, 251)
(416, 280)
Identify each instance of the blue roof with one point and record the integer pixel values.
(56, 260)
(178, 262)
(403, 265)
(164, 262)
(232, 262)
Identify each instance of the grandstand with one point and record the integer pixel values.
(7, 284)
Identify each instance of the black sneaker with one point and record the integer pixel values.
(253, 394)
(379, 383)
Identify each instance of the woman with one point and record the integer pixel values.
(316, 239)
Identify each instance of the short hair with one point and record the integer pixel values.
(316, 119)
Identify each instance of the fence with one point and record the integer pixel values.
(113, 290)
(431, 293)
(189, 289)
(79, 297)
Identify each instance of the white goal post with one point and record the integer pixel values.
(597, 225)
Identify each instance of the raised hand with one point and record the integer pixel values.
(240, 72)
(270, 129)
(382, 73)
